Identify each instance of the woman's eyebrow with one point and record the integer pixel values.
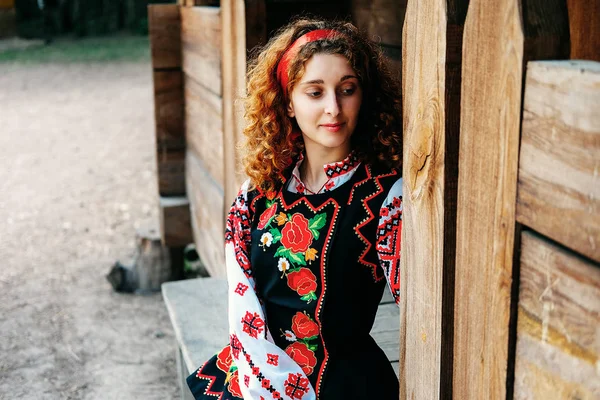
(320, 81)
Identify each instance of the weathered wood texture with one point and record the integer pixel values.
(171, 172)
(558, 345)
(431, 59)
(584, 23)
(208, 222)
(201, 44)
(244, 26)
(382, 20)
(168, 110)
(559, 186)
(164, 25)
(489, 134)
(204, 128)
(175, 226)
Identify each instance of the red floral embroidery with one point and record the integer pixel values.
(236, 346)
(303, 326)
(300, 188)
(265, 383)
(397, 202)
(329, 185)
(252, 324)
(296, 386)
(302, 281)
(303, 356)
(295, 235)
(241, 289)
(224, 359)
(234, 385)
(266, 216)
(273, 359)
(246, 380)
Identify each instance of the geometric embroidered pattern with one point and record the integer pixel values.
(296, 386)
(252, 324)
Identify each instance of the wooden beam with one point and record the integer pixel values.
(559, 187)
(201, 43)
(168, 110)
(171, 172)
(584, 23)
(431, 59)
(243, 26)
(489, 138)
(558, 345)
(175, 226)
(164, 24)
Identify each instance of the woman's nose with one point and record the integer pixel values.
(332, 105)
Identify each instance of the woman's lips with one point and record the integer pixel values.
(333, 127)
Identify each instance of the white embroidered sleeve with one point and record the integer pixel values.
(265, 370)
(389, 234)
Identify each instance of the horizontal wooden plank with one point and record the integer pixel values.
(164, 25)
(168, 110)
(175, 225)
(171, 172)
(558, 330)
(562, 291)
(201, 44)
(559, 182)
(207, 210)
(204, 127)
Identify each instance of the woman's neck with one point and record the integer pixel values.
(311, 170)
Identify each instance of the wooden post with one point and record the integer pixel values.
(491, 103)
(243, 27)
(431, 58)
(584, 23)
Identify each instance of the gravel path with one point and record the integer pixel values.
(77, 177)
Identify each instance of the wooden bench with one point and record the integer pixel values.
(198, 312)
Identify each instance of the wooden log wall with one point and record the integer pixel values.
(558, 331)
(164, 30)
(205, 179)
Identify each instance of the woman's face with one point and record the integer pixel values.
(326, 102)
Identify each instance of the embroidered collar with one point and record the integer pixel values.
(337, 173)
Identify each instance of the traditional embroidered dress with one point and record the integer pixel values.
(306, 273)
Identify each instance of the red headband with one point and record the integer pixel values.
(294, 49)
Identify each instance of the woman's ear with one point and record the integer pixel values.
(290, 110)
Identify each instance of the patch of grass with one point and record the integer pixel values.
(76, 50)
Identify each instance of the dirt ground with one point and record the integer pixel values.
(77, 177)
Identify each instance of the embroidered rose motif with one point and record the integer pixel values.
(303, 326)
(234, 385)
(266, 216)
(304, 282)
(224, 359)
(295, 235)
(303, 356)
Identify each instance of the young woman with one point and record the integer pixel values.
(314, 233)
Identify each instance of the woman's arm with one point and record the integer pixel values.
(389, 238)
(265, 370)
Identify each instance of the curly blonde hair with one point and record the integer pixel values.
(269, 147)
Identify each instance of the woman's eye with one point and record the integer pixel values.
(348, 91)
(313, 94)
